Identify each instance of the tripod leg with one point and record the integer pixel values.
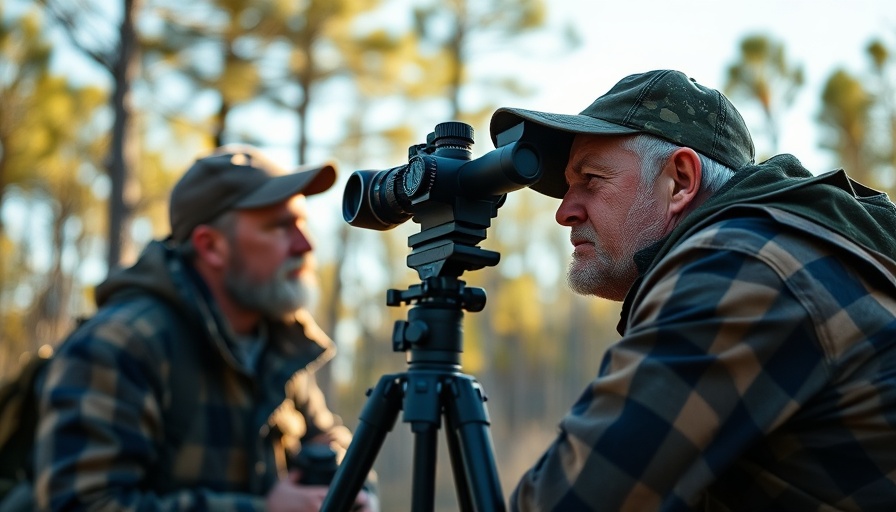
(467, 420)
(424, 482)
(464, 500)
(423, 410)
(377, 419)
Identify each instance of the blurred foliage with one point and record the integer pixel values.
(765, 75)
(846, 108)
(858, 114)
(204, 70)
(46, 163)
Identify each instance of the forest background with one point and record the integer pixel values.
(104, 103)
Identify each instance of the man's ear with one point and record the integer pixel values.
(211, 247)
(684, 172)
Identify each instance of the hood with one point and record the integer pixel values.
(162, 272)
(151, 273)
(832, 200)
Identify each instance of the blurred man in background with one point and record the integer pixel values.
(193, 387)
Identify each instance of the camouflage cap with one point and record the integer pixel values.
(663, 103)
(237, 177)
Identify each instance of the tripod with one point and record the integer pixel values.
(432, 387)
(453, 198)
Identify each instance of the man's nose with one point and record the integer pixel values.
(301, 242)
(569, 213)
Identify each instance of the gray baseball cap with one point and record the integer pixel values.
(664, 103)
(238, 177)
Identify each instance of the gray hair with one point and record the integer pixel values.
(226, 223)
(655, 152)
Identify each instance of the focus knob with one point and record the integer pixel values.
(420, 176)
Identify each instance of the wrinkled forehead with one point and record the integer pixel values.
(599, 151)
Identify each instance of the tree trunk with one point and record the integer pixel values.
(121, 156)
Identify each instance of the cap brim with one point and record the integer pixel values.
(306, 180)
(553, 181)
(504, 118)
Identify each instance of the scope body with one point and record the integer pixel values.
(437, 172)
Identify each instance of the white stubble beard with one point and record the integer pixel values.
(599, 274)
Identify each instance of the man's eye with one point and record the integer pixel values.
(586, 179)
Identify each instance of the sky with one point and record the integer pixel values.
(701, 38)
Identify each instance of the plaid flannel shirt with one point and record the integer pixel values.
(757, 371)
(145, 407)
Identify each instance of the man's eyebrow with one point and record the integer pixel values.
(577, 166)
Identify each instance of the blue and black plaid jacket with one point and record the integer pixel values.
(757, 371)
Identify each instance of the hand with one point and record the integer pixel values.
(288, 496)
(365, 503)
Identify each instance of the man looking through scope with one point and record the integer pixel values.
(757, 364)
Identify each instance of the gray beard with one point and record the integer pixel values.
(275, 298)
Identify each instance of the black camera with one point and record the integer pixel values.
(437, 172)
(317, 463)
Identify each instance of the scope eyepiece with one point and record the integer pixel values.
(376, 199)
